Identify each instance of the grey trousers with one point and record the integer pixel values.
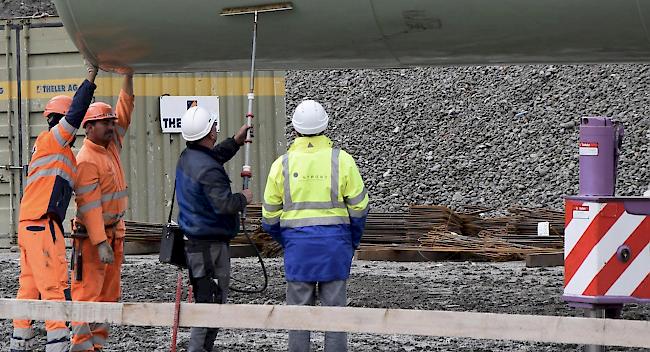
(209, 266)
(331, 294)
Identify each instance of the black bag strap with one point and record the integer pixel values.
(171, 209)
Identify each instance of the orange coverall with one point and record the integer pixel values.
(48, 189)
(101, 196)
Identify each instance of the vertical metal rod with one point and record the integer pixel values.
(595, 313)
(247, 169)
(177, 310)
(19, 92)
(12, 175)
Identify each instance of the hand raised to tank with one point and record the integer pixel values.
(92, 70)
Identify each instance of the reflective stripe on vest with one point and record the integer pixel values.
(85, 189)
(114, 196)
(358, 199)
(67, 126)
(326, 220)
(51, 158)
(50, 172)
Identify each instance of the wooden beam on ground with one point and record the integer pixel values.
(548, 329)
(544, 260)
(238, 250)
(141, 247)
(399, 255)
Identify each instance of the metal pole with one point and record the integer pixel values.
(9, 92)
(595, 313)
(247, 171)
(177, 310)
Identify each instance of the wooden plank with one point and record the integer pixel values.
(238, 250)
(547, 329)
(141, 247)
(397, 255)
(544, 260)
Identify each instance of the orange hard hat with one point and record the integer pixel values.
(57, 105)
(98, 111)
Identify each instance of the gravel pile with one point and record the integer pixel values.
(494, 136)
(13, 8)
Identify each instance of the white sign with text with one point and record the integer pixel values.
(172, 109)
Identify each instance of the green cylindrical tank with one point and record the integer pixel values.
(179, 36)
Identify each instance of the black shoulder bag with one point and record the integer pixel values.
(172, 244)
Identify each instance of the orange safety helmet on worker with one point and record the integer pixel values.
(101, 196)
(98, 111)
(48, 189)
(57, 105)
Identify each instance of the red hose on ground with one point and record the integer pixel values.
(177, 310)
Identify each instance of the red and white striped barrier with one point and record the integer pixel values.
(606, 253)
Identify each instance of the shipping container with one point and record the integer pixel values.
(38, 61)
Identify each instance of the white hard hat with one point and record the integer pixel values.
(197, 122)
(309, 118)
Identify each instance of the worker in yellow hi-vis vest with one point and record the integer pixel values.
(315, 206)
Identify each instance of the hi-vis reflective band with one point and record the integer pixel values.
(63, 125)
(50, 172)
(109, 218)
(271, 207)
(85, 189)
(89, 206)
(326, 220)
(67, 126)
(358, 199)
(234, 86)
(59, 138)
(44, 160)
(334, 203)
(114, 196)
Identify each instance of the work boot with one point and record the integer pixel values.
(22, 340)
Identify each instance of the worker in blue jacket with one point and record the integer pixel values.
(208, 211)
(315, 206)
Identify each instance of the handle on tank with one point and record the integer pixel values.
(620, 132)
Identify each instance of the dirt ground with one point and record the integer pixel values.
(457, 286)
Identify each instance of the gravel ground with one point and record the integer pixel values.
(463, 286)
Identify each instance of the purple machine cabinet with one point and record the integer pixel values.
(600, 140)
(606, 238)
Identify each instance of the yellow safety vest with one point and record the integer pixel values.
(314, 184)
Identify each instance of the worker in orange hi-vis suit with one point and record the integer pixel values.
(101, 195)
(48, 189)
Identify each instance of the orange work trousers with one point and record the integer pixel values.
(43, 275)
(99, 283)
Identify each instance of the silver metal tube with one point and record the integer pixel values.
(247, 169)
(12, 215)
(595, 313)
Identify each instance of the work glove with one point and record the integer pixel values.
(106, 254)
